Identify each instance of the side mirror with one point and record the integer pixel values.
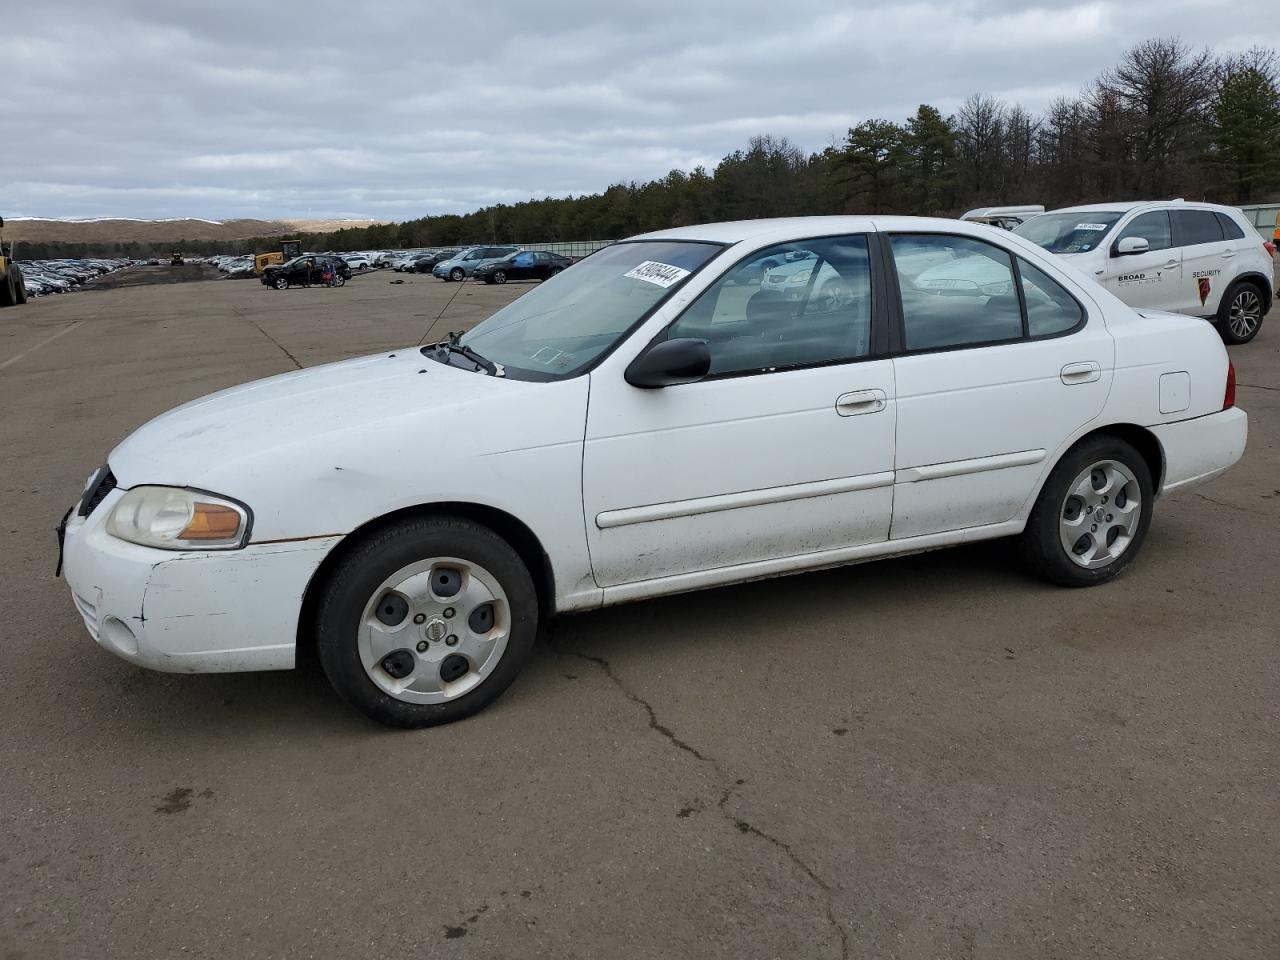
(670, 362)
(1131, 245)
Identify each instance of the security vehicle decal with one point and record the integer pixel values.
(1140, 278)
(1203, 285)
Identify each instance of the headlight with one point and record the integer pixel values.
(172, 518)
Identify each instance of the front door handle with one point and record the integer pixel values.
(1228, 255)
(1086, 371)
(1169, 265)
(859, 402)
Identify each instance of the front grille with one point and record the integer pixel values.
(103, 482)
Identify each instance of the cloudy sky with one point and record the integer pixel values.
(396, 110)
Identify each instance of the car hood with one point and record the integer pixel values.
(337, 411)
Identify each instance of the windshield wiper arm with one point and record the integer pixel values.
(452, 345)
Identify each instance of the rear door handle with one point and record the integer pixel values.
(1086, 371)
(859, 402)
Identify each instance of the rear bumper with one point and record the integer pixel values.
(1196, 451)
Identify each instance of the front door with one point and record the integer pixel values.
(784, 450)
(989, 384)
(1153, 279)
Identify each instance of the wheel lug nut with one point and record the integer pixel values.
(1104, 499)
(1110, 518)
(451, 640)
(1093, 528)
(419, 618)
(448, 613)
(422, 646)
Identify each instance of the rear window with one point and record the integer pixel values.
(1191, 227)
(1230, 229)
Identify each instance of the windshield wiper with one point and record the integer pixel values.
(451, 345)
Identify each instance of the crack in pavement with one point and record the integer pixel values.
(239, 312)
(1222, 503)
(742, 826)
(1256, 386)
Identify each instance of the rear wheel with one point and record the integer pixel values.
(280, 283)
(426, 622)
(1240, 315)
(1091, 518)
(19, 286)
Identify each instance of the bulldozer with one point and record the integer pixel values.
(176, 259)
(13, 289)
(288, 250)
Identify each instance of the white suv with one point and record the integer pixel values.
(1194, 258)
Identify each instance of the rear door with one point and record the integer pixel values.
(1205, 259)
(994, 373)
(1153, 279)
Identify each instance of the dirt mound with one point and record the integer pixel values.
(165, 231)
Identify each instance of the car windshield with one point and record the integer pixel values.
(565, 323)
(1069, 232)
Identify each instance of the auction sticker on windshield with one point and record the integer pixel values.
(661, 274)
(1091, 226)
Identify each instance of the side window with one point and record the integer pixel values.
(956, 291)
(1196, 226)
(1050, 309)
(793, 305)
(1230, 229)
(1152, 227)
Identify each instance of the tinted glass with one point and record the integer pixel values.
(1069, 232)
(565, 323)
(1230, 229)
(1196, 226)
(956, 291)
(1152, 227)
(796, 304)
(1050, 309)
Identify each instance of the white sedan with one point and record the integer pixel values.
(655, 419)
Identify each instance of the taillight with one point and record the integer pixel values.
(1268, 246)
(1229, 396)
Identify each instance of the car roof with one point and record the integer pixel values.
(1125, 206)
(782, 229)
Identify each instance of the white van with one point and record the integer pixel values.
(1195, 258)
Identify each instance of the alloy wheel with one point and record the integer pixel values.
(1246, 313)
(1100, 514)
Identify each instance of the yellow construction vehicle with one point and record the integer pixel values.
(13, 289)
(288, 250)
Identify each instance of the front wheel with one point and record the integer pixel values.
(1092, 516)
(1240, 315)
(19, 286)
(499, 276)
(457, 274)
(426, 622)
(339, 281)
(280, 283)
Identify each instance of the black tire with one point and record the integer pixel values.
(499, 276)
(19, 286)
(457, 274)
(1241, 290)
(1041, 545)
(280, 283)
(339, 281)
(353, 581)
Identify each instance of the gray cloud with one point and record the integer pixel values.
(399, 110)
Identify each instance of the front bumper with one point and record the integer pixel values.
(1195, 451)
(192, 611)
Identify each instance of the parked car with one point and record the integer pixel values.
(1006, 218)
(1194, 258)
(357, 261)
(426, 262)
(305, 271)
(522, 265)
(462, 265)
(731, 434)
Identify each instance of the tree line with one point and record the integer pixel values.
(1167, 120)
